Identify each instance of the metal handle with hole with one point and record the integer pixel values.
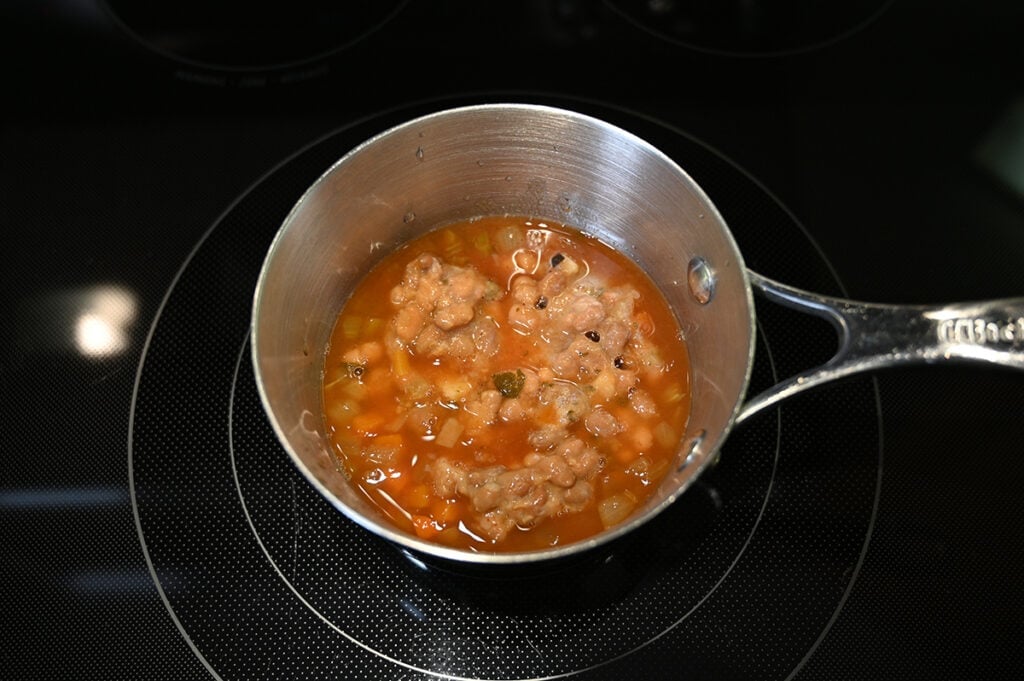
(876, 336)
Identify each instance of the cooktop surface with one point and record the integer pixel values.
(154, 528)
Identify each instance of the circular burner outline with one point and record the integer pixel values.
(264, 68)
(869, 530)
(751, 54)
(867, 538)
(412, 667)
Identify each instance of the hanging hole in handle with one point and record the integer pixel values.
(815, 331)
(800, 340)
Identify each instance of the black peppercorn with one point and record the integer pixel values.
(557, 258)
(541, 303)
(593, 335)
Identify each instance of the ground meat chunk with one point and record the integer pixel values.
(555, 468)
(484, 409)
(547, 437)
(409, 322)
(566, 399)
(437, 296)
(642, 402)
(525, 290)
(446, 478)
(585, 312)
(614, 334)
(553, 283)
(581, 361)
(484, 333)
(603, 423)
(545, 486)
(619, 302)
(584, 461)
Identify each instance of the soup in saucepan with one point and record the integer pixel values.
(506, 384)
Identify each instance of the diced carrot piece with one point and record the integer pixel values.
(389, 440)
(367, 422)
(419, 496)
(450, 536)
(395, 424)
(425, 527)
(396, 482)
(447, 512)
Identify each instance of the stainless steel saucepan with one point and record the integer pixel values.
(555, 164)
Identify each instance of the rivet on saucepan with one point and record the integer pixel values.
(692, 455)
(701, 279)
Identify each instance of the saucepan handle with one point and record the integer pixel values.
(876, 336)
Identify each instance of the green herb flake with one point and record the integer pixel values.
(510, 383)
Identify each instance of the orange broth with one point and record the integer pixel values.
(394, 410)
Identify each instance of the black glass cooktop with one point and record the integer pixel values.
(152, 527)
